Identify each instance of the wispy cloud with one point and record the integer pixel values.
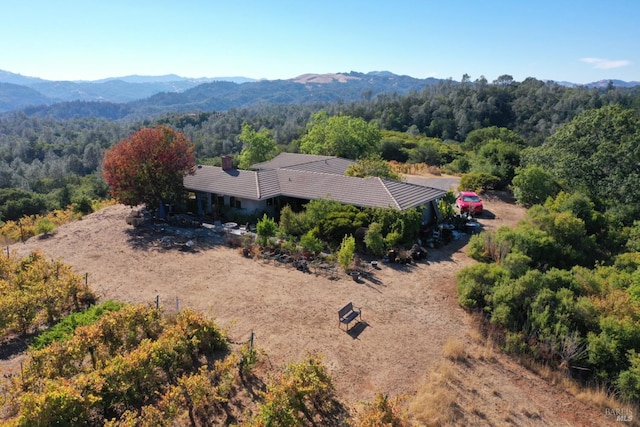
(606, 64)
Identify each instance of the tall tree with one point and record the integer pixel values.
(479, 137)
(341, 136)
(258, 146)
(598, 153)
(149, 167)
(533, 184)
(372, 165)
(499, 159)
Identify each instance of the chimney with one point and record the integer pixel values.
(227, 163)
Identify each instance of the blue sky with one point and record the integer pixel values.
(578, 41)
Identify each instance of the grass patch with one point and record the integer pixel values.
(598, 397)
(435, 402)
(594, 396)
(67, 326)
(455, 350)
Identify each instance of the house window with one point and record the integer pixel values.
(238, 204)
(232, 201)
(220, 201)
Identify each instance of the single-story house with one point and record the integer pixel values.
(293, 179)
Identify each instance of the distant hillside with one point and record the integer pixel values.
(175, 78)
(110, 90)
(323, 78)
(602, 84)
(308, 88)
(13, 97)
(17, 79)
(615, 83)
(144, 95)
(80, 109)
(114, 89)
(141, 97)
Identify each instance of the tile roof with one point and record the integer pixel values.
(363, 192)
(409, 195)
(306, 162)
(334, 165)
(284, 160)
(310, 179)
(268, 184)
(238, 183)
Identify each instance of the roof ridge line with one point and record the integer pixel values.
(324, 158)
(257, 184)
(316, 172)
(408, 183)
(310, 161)
(384, 185)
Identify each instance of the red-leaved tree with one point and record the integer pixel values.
(149, 167)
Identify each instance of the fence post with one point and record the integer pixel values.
(86, 279)
(251, 340)
(157, 302)
(177, 305)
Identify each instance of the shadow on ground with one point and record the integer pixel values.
(14, 346)
(167, 237)
(356, 330)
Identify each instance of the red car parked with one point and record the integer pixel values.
(468, 201)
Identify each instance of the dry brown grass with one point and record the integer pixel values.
(599, 397)
(435, 401)
(595, 397)
(455, 349)
(476, 336)
(420, 169)
(481, 347)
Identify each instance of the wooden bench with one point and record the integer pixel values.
(347, 314)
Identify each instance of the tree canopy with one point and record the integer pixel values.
(259, 146)
(149, 166)
(597, 153)
(341, 136)
(372, 165)
(15, 203)
(497, 158)
(532, 185)
(479, 137)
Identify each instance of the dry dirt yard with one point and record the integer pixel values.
(409, 313)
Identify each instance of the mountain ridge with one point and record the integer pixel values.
(155, 94)
(170, 92)
(16, 78)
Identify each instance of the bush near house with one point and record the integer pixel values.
(329, 221)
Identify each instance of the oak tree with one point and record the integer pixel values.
(372, 165)
(341, 136)
(597, 153)
(258, 146)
